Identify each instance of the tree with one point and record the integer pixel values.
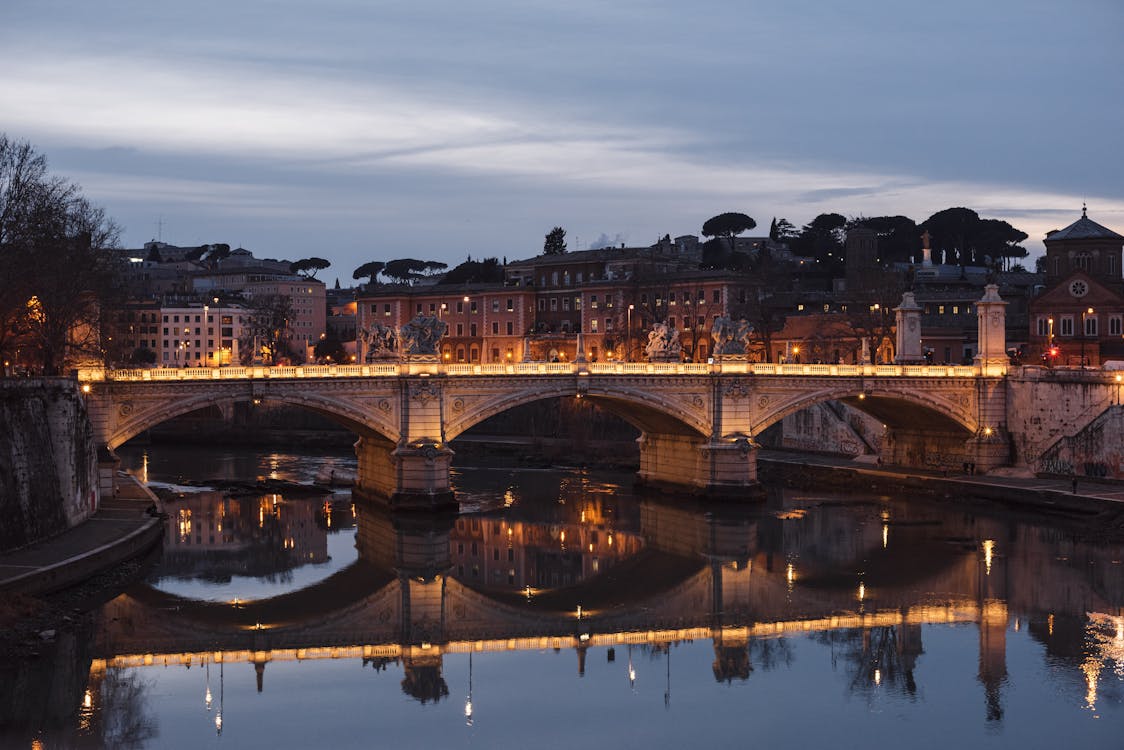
(405, 270)
(217, 253)
(784, 231)
(729, 224)
(57, 272)
(899, 238)
(487, 271)
(267, 333)
(555, 242)
(822, 239)
(963, 237)
(369, 271)
(308, 267)
(330, 349)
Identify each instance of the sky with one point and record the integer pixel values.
(359, 130)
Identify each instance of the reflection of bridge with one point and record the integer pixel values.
(730, 579)
(698, 422)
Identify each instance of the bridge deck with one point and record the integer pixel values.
(531, 368)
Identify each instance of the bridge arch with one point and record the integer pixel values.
(893, 407)
(648, 412)
(134, 416)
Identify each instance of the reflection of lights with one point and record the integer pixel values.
(878, 677)
(989, 549)
(1092, 669)
(508, 498)
(87, 699)
(579, 611)
(862, 591)
(790, 574)
(591, 546)
(610, 540)
(1050, 624)
(218, 722)
(885, 535)
(562, 537)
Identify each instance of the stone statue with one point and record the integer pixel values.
(663, 344)
(381, 341)
(421, 335)
(731, 337)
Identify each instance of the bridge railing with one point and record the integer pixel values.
(395, 369)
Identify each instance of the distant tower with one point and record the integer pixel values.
(926, 250)
(862, 259)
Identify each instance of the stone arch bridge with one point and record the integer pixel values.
(698, 422)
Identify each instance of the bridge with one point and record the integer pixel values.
(698, 422)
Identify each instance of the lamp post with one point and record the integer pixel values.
(1089, 311)
(467, 328)
(206, 332)
(628, 334)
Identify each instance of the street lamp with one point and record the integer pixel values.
(1083, 334)
(206, 332)
(628, 334)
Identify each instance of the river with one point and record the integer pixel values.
(562, 609)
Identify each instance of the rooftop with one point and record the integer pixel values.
(1084, 229)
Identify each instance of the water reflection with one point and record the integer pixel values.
(876, 599)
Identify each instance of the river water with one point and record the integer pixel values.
(562, 609)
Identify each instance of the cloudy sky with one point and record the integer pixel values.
(361, 130)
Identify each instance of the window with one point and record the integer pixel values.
(510, 304)
(542, 304)
(1066, 328)
(554, 304)
(671, 322)
(566, 304)
(956, 309)
(460, 329)
(554, 278)
(577, 303)
(1090, 325)
(510, 328)
(418, 308)
(496, 304)
(472, 330)
(495, 328)
(386, 310)
(472, 306)
(940, 310)
(1114, 325)
(608, 324)
(1043, 324)
(593, 301)
(717, 296)
(671, 298)
(593, 325)
(1082, 262)
(432, 307)
(579, 277)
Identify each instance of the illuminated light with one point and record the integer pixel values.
(85, 387)
(468, 712)
(583, 637)
(591, 546)
(862, 396)
(989, 550)
(790, 574)
(862, 591)
(426, 645)
(987, 430)
(885, 535)
(610, 540)
(207, 698)
(878, 677)
(510, 531)
(218, 722)
(87, 699)
(579, 611)
(1050, 624)
(562, 536)
(1119, 378)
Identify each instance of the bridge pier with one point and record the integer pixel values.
(711, 468)
(406, 476)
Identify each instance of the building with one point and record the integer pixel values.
(1077, 319)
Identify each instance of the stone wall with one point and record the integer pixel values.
(48, 462)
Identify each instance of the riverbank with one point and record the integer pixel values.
(1097, 505)
(45, 586)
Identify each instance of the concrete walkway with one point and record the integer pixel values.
(1090, 494)
(119, 530)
